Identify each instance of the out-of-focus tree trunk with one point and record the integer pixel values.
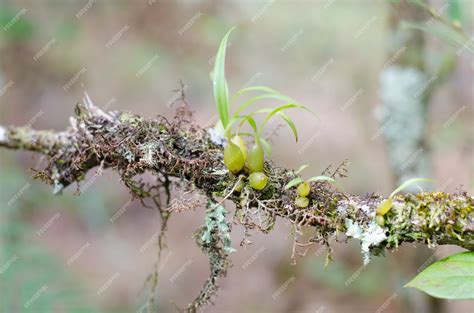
(406, 87)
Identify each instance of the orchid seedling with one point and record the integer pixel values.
(236, 156)
(304, 187)
(385, 206)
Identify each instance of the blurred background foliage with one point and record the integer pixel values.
(320, 52)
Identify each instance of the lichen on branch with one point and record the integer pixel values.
(179, 152)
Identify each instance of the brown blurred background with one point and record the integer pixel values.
(130, 55)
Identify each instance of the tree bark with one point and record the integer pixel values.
(183, 151)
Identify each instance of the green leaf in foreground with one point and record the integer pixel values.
(449, 278)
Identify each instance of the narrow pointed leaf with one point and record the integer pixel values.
(221, 94)
(322, 178)
(267, 148)
(294, 182)
(290, 123)
(408, 183)
(301, 168)
(254, 88)
(253, 100)
(286, 118)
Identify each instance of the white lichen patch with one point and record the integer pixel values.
(217, 135)
(148, 151)
(346, 207)
(341, 210)
(353, 229)
(3, 134)
(366, 209)
(58, 187)
(370, 236)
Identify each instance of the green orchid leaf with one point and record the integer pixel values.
(253, 88)
(267, 148)
(301, 168)
(294, 182)
(221, 93)
(253, 100)
(408, 183)
(285, 117)
(290, 123)
(248, 118)
(322, 178)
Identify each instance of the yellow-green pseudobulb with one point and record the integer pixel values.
(233, 158)
(384, 207)
(258, 180)
(302, 202)
(303, 189)
(255, 159)
(241, 144)
(380, 220)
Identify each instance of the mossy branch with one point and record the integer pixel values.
(179, 151)
(132, 144)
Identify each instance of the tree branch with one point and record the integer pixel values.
(132, 144)
(180, 152)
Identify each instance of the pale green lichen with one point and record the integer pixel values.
(403, 91)
(215, 222)
(370, 236)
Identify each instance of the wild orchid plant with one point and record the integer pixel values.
(304, 187)
(236, 155)
(385, 206)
